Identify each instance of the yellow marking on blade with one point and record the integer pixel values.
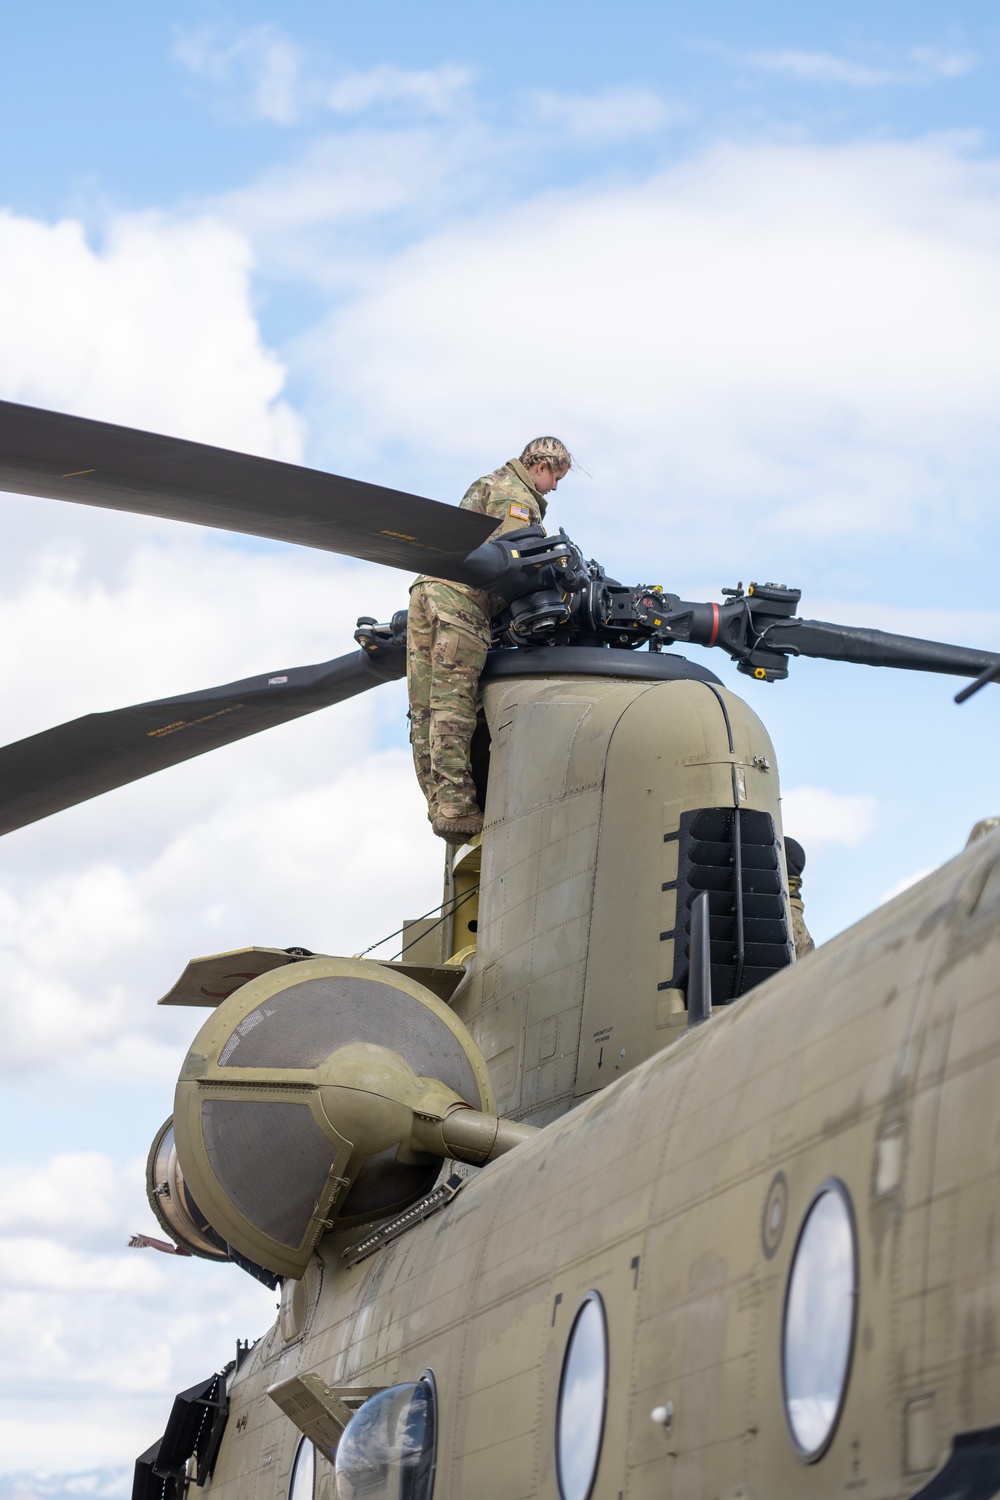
(153, 734)
(402, 537)
(77, 472)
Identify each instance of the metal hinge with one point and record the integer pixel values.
(439, 1198)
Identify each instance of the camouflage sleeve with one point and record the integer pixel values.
(476, 497)
(512, 504)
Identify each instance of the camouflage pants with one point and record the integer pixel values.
(447, 638)
(801, 935)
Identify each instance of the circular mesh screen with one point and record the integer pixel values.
(272, 1160)
(302, 1025)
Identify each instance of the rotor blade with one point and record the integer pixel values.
(875, 648)
(991, 674)
(60, 767)
(119, 468)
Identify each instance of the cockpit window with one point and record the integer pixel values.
(303, 1481)
(819, 1321)
(387, 1450)
(583, 1393)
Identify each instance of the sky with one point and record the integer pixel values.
(744, 260)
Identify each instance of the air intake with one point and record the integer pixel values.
(735, 858)
(295, 1107)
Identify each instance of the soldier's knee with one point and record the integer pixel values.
(455, 694)
(453, 726)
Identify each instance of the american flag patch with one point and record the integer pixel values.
(521, 512)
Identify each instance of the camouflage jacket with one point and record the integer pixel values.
(508, 494)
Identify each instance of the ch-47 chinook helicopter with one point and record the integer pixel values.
(595, 1192)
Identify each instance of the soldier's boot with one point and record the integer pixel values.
(457, 814)
(457, 830)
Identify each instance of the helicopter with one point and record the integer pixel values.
(596, 1191)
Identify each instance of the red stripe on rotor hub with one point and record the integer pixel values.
(715, 625)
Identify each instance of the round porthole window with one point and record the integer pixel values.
(302, 1484)
(387, 1449)
(583, 1394)
(818, 1334)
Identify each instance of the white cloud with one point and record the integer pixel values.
(261, 71)
(431, 91)
(100, 907)
(35, 1200)
(415, 149)
(811, 334)
(155, 329)
(818, 67)
(184, 610)
(614, 115)
(106, 1483)
(361, 177)
(943, 63)
(920, 65)
(259, 64)
(815, 817)
(95, 1339)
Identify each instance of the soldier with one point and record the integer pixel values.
(795, 862)
(448, 634)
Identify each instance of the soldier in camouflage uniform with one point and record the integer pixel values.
(448, 632)
(795, 863)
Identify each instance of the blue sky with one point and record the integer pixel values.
(745, 261)
(96, 100)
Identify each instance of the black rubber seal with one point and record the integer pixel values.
(593, 661)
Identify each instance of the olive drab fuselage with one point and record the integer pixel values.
(677, 1165)
(864, 1064)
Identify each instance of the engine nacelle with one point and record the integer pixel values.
(325, 1094)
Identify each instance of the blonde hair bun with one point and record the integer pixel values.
(547, 450)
